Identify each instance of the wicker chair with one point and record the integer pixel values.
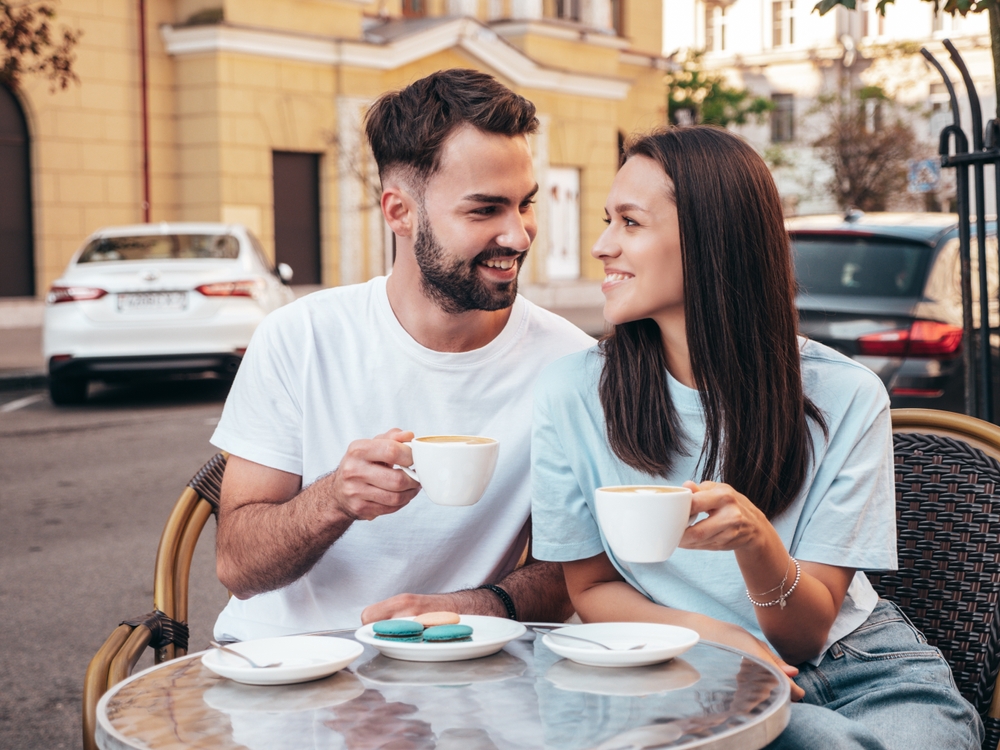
(165, 628)
(948, 525)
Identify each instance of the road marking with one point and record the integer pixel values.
(21, 403)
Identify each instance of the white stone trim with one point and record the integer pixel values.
(640, 60)
(351, 189)
(467, 34)
(560, 30)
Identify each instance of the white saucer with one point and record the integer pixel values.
(654, 678)
(489, 635)
(663, 642)
(228, 696)
(494, 668)
(302, 657)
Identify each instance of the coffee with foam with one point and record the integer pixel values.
(641, 489)
(463, 439)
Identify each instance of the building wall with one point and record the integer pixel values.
(819, 61)
(216, 116)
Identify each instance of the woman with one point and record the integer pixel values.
(785, 443)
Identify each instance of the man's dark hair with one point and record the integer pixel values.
(407, 128)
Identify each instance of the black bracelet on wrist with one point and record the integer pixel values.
(504, 597)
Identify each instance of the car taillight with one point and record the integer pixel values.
(250, 288)
(925, 338)
(59, 294)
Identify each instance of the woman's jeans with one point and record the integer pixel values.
(881, 688)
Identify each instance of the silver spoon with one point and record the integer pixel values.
(587, 640)
(252, 663)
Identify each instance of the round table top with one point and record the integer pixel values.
(523, 697)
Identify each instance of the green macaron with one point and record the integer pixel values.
(447, 633)
(398, 630)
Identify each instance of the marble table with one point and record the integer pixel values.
(521, 698)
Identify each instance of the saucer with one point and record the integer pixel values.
(663, 642)
(634, 681)
(489, 635)
(228, 696)
(494, 668)
(302, 657)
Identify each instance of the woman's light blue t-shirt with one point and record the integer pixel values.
(844, 516)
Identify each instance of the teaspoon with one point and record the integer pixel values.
(587, 640)
(252, 663)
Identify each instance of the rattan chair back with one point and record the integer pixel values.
(948, 529)
(165, 628)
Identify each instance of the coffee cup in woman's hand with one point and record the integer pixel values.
(643, 523)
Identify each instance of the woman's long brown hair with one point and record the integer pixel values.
(739, 305)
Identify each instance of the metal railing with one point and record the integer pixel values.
(978, 360)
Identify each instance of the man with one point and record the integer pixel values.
(316, 529)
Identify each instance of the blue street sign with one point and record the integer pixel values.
(924, 175)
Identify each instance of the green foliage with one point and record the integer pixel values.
(29, 44)
(949, 6)
(709, 99)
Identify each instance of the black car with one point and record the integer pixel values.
(884, 289)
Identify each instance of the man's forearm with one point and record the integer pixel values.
(539, 593)
(264, 546)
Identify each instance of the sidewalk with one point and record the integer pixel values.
(21, 363)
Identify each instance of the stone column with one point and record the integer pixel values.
(525, 9)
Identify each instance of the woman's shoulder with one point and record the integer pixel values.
(828, 374)
(576, 373)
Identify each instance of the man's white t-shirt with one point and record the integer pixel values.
(337, 366)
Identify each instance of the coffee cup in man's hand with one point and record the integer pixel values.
(453, 469)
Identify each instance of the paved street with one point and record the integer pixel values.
(84, 493)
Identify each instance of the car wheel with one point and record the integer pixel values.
(68, 391)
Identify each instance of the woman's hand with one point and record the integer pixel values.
(600, 594)
(737, 637)
(733, 521)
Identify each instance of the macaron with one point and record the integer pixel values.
(430, 619)
(398, 630)
(447, 633)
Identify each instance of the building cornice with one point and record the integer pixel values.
(565, 31)
(464, 33)
(828, 51)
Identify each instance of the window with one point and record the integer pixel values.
(162, 247)
(414, 8)
(782, 23)
(568, 10)
(715, 28)
(859, 267)
(783, 118)
(618, 16)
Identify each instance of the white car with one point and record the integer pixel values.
(156, 299)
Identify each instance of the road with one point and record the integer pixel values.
(84, 493)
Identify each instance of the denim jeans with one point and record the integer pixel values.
(881, 688)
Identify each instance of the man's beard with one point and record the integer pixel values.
(456, 285)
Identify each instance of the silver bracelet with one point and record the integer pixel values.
(780, 587)
(784, 594)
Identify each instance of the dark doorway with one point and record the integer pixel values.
(17, 256)
(296, 215)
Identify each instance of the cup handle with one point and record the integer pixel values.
(408, 470)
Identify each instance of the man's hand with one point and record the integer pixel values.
(365, 486)
(271, 531)
(477, 602)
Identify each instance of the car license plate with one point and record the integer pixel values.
(152, 302)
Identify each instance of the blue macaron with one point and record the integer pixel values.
(447, 633)
(398, 630)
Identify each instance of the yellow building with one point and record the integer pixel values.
(253, 112)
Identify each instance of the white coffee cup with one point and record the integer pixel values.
(453, 469)
(643, 523)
